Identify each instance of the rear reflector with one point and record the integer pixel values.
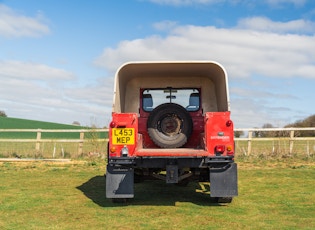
(230, 153)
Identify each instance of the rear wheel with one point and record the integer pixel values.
(169, 125)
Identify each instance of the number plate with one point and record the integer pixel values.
(123, 136)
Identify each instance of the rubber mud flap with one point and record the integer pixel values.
(223, 182)
(169, 125)
(119, 182)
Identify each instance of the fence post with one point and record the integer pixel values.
(80, 151)
(38, 137)
(308, 149)
(249, 143)
(291, 141)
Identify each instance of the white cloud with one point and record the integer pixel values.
(32, 71)
(30, 83)
(13, 24)
(40, 92)
(242, 51)
(94, 94)
(260, 92)
(265, 24)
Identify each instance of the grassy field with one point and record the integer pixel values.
(51, 148)
(42, 195)
(15, 123)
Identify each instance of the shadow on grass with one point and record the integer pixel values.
(150, 193)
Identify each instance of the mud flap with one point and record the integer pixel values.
(119, 182)
(223, 181)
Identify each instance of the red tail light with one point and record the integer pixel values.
(228, 123)
(220, 148)
(112, 124)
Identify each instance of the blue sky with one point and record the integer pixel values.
(58, 58)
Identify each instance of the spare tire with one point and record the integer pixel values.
(169, 125)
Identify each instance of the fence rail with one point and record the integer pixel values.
(246, 145)
(291, 139)
(39, 140)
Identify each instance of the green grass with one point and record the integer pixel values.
(15, 123)
(275, 195)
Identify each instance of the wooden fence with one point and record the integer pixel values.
(244, 145)
(288, 141)
(39, 140)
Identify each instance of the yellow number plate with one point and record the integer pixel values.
(123, 136)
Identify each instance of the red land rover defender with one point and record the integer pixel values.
(171, 121)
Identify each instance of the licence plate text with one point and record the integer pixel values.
(123, 136)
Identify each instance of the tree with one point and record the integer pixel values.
(256, 133)
(307, 122)
(238, 133)
(2, 114)
(76, 123)
(269, 133)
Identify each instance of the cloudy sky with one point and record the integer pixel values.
(58, 58)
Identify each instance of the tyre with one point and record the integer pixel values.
(169, 125)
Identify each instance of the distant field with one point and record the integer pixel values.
(272, 195)
(52, 148)
(15, 123)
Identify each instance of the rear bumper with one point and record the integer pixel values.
(162, 162)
